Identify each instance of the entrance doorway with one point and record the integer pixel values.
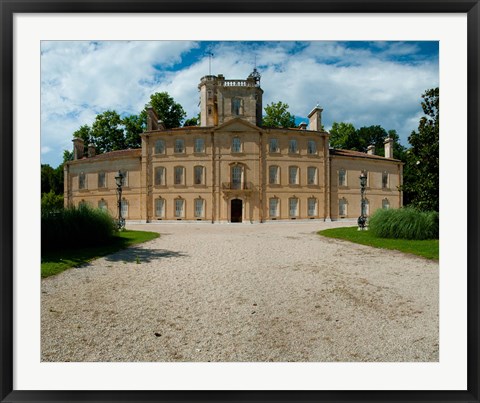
(236, 207)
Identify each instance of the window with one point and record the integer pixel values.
(159, 147)
(237, 173)
(179, 146)
(199, 145)
(293, 175)
(102, 180)
(237, 106)
(199, 208)
(384, 180)
(209, 110)
(236, 145)
(160, 176)
(124, 208)
(274, 146)
(311, 147)
(366, 208)
(293, 147)
(312, 207)
(198, 176)
(274, 175)
(273, 207)
(293, 206)
(209, 94)
(160, 207)
(179, 176)
(342, 177)
(342, 207)
(102, 205)
(82, 180)
(179, 208)
(385, 204)
(82, 203)
(312, 176)
(125, 178)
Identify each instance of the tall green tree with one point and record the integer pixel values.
(107, 132)
(277, 115)
(421, 171)
(134, 125)
(344, 136)
(51, 179)
(168, 111)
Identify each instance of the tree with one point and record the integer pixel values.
(51, 179)
(51, 201)
(277, 115)
(107, 133)
(343, 136)
(168, 111)
(195, 121)
(134, 126)
(421, 171)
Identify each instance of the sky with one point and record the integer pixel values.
(363, 83)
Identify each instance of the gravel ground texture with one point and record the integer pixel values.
(243, 292)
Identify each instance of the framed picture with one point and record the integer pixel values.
(34, 366)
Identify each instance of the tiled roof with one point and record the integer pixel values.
(358, 154)
(131, 152)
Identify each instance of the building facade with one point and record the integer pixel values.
(231, 169)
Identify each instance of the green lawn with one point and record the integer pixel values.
(425, 248)
(57, 261)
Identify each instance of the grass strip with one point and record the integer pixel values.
(55, 262)
(426, 248)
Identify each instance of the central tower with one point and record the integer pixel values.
(222, 100)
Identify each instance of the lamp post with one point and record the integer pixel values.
(119, 182)
(362, 220)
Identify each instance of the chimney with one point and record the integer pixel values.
(315, 117)
(78, 148)
(91, 150)
(152, 118)
(388, 147)
(161, 125)
(302, 126)
(371, 149)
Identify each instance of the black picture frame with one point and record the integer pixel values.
(10, 7)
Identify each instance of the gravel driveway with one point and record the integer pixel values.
(243, 292)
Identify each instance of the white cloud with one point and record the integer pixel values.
(367, 85)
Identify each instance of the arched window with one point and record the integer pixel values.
(179, 208)
(237, 178)
(199, 208)
(124, 208)
(198, 175)
(385, 180)
(385, 204)
(160, 176)
(342, 207)
(179, 146)
(237, 106)
(179, 175)
(342, 177)
(236, 145)
(274, 175)
(312, 207)
(274, 204)
(293, 207)
(293, 146)
(102, 205)
(293, 177)
(312, 176)
(160, 207)
(160, 146)
(82, 180)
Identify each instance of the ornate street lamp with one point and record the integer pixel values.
(119, 182)
(362, 220)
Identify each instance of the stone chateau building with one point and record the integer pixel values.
(231, 169)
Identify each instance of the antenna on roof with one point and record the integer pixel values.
(210, 55)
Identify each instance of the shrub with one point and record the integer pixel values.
(76, 227)
(404, 223)
(51, 201)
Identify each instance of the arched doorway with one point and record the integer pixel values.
(236, 209)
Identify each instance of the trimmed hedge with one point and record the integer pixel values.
(76, 227)
(404, 223)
